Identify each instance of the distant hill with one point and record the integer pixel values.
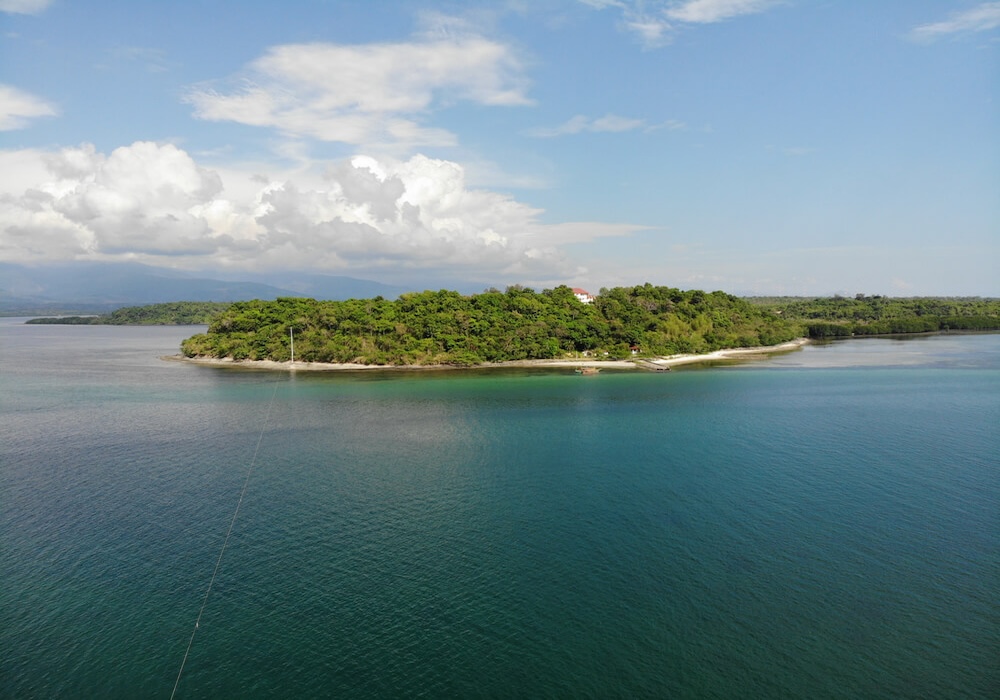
(86, 287)
(332, 287)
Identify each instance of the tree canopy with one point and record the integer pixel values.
(445, 327)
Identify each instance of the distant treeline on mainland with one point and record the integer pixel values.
(446, 327)
(177, 313)
(841, 317)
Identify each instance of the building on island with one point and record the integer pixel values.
(583, 295)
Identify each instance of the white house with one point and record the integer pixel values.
(583, 295)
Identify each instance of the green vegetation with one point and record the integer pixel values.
(445, 327)
(178, 313)
(838, 316)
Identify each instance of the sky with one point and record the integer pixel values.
(760, 147)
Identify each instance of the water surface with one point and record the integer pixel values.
(822, 524)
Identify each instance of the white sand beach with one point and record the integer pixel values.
(648, 363)
(729, 354)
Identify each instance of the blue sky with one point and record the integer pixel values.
(754, 146)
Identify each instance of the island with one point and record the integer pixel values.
(653, 327)
(446, 328)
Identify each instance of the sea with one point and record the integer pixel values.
(820, 524)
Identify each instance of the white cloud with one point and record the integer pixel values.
(141, 198)
(708, 11)
(601, 4)
(580, 124)
(153, 60)
(586, 231)
(669, 125)
(655, 22)
(652, 31)
(368, 95)
(150, 202)
(24, 7)
(487, 173)
(978, 19)
(17, 108)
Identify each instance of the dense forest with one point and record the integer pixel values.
(835, 317)
(178, 313)
(445, 327)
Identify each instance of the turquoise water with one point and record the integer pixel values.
(822, 524)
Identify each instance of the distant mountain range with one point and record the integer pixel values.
(83, 288)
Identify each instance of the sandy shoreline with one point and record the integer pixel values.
(646, 363)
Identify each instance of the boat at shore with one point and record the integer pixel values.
(587, 370)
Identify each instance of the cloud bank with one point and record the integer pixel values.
(153, 203)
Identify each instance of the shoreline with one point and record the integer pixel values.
(643, 363)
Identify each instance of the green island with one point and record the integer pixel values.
(447, 328)
(177, 313)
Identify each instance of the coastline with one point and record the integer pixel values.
(645, 363)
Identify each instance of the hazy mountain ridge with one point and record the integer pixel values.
(101, 287)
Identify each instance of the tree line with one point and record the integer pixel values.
(177, 313)
(839, 316)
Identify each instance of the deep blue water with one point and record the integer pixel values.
(822, 524)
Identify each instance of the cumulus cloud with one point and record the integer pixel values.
(24, 7)
(152, 202)
(655, 22)
(18, 107)
(139, 199)
(977, 19)
(371, 95)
